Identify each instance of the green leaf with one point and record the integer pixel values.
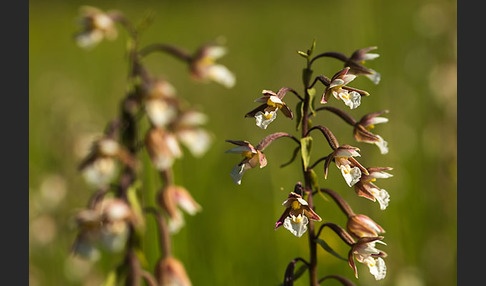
(312, 95)
(312, 48)
(299, 109)
(110, 279)
(305, 149)
(300, 271)
(327, 248)
(314, 184)
(303, 54)
(135, 205)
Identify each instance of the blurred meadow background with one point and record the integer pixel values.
(73, 93)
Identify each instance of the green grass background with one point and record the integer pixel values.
(73, 93)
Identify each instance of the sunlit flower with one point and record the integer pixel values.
(203, 66)
(162, 147)
(350, 168)
(362, 130)
(350, 97)
(170, 271)
(251, 159)
(171, 199)
(364, 251)
(362, 226)
(367, 189)
(267, 112)
(96, 25)
(356, 61)
(296, 215)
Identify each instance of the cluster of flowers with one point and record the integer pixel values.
(114, 215)
(299, 211)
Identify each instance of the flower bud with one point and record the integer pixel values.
(363, 226)
(170, 271)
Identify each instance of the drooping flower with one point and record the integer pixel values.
(296, 215)
(362, 130)
(162, 147)
(203, 66)
(364, 251)
(350, 168)
(362, 226)
(106, 224)
(95, 26)
(252, 158)
(160, 102)
(267, 112)
(187, 129)
(367, 189)
(171, 198)
(351, 98)
(356, 61)
(170, 271)
(100, 166)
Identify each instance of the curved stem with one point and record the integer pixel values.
(317, 162)
(164, 236)
(147, 276)
(344, 115)
(167, 48)
(331, 139)
(336, 55)
(341, 232)
(343, 280)
(343, 205)
(324, 79)
(272, 137)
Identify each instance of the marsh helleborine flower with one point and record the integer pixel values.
(296, 215)
(160, 102)
(171, 198)
(251, 159)
(267, 112)
(162, 147)
(170, 271)
(95, 25)
(362, 226)
(350, 98)
(356, 61)
(362, 130)
(203, 66)
(100, 167)
(187, 129)
(367, 189)
(350, 168)
(365, 252)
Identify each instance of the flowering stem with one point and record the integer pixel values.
(343, 234)
(317, 162)
(170, 49)
(306, 75)
(336, 55)
(164, 236)
(341, 279)
(340, 202)
(331, 139)
(344, 115)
